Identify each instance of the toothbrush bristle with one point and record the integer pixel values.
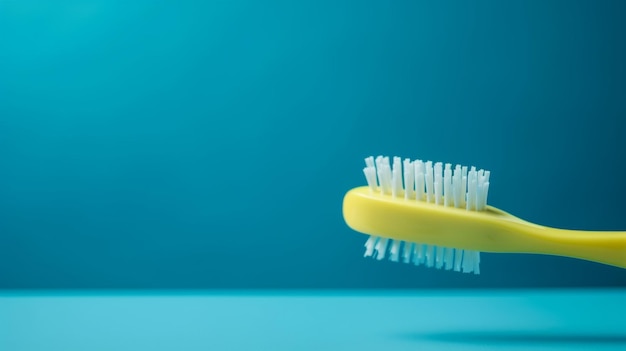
(437, 183)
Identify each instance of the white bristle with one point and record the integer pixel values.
(458, 258)
(447, 185)
(485, 189)
(384, 174)
(479, 190)
(439, 256)
(476, 262)
(409, 180)
(456, 185)
(419, 254)
(416, 254)
(396, 177)
(370, 176)
(431, 182)
(370, 173)
(379, 172)
(480, 180)
(481, 200)
(438, 183)
(430, 192)
(369, 246)
(430, 256)
(394, 251)
(485, 193)
(449, 258)
(468, 261)
(463, 185)
(419, 180)
(381, 248)
(406, 253)
(471, 190)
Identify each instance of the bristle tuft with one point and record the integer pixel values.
(466, 261)
(432, 182)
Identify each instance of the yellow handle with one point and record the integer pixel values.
(598, 246)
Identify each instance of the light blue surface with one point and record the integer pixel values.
(432, 320)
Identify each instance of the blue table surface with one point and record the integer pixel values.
(314, 320)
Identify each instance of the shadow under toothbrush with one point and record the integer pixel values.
(492, 337)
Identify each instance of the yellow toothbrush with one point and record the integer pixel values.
(432, 214)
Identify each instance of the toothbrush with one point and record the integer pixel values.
(435, 215)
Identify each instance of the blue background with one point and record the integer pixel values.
(192, 144)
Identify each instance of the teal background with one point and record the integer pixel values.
(192, 144)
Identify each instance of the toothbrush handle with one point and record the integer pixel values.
(599, 246)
